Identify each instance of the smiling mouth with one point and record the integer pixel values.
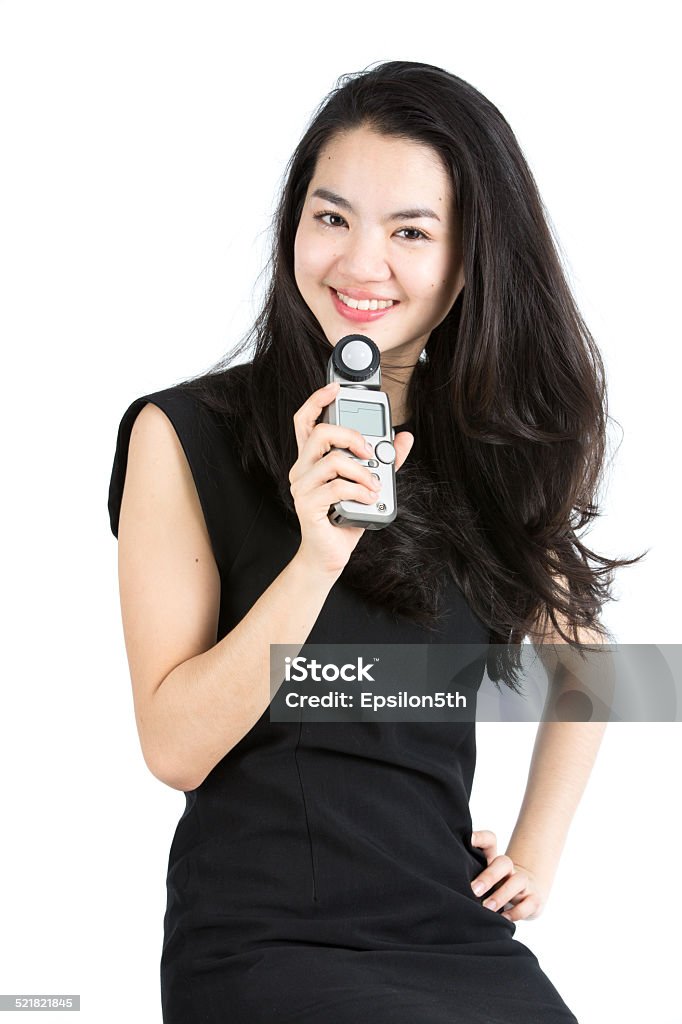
(363, 305)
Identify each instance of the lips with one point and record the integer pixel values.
(359, 315)
(356, 293)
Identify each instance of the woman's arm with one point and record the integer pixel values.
(563, 757)
(562, 760)
(564, 752)
(194, 699)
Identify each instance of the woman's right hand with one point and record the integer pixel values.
(319, 480)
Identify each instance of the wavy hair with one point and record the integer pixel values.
(509, 406)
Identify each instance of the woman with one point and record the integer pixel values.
(328, 871)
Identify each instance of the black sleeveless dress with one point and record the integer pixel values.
(321, 872)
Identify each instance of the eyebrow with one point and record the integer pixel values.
(416, 211)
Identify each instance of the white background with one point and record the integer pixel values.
(142, 144)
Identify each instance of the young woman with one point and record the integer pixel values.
(327, 872)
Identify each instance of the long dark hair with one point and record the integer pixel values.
(509, 405)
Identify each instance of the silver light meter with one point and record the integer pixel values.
(360, 404)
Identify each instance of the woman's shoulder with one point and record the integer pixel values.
(213, 392)
(203, 413)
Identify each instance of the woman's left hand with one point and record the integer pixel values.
(520, 887)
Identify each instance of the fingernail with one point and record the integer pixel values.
(474, 837)
(478, 888)
(490, 904)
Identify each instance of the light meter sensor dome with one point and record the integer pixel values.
(356, 357)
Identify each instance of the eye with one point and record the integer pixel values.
(329, 213)
(420, 233)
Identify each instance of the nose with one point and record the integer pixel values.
(363, 258)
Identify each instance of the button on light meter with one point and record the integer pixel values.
(385, 452)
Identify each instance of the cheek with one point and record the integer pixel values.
(426, 278)
(310, 255)
(441, 278)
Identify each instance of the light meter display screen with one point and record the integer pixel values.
(367, 417)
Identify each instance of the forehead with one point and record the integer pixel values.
(367, 167)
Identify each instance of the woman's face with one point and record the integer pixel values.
(372, 237)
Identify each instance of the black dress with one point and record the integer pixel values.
(321, 872)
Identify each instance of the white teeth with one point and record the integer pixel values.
(365, 303)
